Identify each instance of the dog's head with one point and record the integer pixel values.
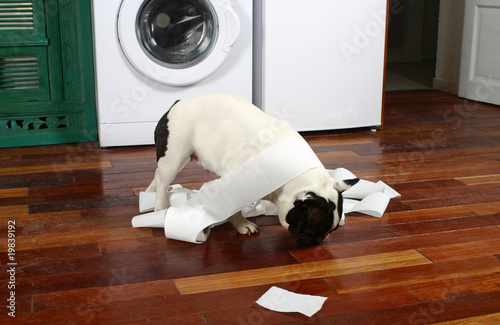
(313, 217)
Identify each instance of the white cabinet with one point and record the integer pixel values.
(320, 64)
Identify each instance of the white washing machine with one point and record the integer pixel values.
(320, 65)
(149, 53)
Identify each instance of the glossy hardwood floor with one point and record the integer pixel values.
(434, 257)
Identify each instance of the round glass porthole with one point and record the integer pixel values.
(177, 34)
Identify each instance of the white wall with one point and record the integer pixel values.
(449, 48)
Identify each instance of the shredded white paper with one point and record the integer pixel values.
(282, 300)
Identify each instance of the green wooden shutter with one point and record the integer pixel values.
(22, 20)
(23, 51)
(46, 72)
(23, 74)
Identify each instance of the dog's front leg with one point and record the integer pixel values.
(161, 202)
(243, 226)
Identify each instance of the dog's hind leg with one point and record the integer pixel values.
(168, 167)
(175, 157)
(173, 151)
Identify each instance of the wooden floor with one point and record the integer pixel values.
(433, 257)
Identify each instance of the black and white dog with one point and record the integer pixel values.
(221, 132)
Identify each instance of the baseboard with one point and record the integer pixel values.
(446, 86)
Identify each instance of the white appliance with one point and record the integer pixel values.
(149, 53)
(320, 65)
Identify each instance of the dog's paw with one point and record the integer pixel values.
(247, 228)
(243, 226)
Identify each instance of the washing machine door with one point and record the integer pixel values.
(177, 42)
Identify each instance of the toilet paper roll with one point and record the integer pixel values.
(151, 220)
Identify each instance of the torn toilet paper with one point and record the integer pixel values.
(374, 196)
(365, 197)
(192, 214)
(281, 300)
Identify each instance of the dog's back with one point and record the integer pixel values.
(222, 131)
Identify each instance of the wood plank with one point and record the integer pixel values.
(49, 217)
(378, 279)
(423, 313)
(42, 222)
(52, 149)
(23, 306)
(115, 178)
(44, 284)
(32, 180)
(392, 160)
(76, 238)
(103, 296)
(53, 168)
(461, 251)
(377, 246)
(81, 152)
(418, 228)
(329, 157)
(219, 235)
(485, 208)
(13, 192)
(31, 256)
(67, 194)
(410, 171)
(302, 271)
(334, 305)
(404, 217)
(95, 203)
(325, 139)
(153, 307)
(134, 162)
(478, 320)
(87, 264)
(347, 234)
(12, 212)
(432, 189)
(253, 313)
(480, 180)
(69, 191)
(456, 287)
(193, 319)
(64, 221)
(475, 195)
(225, 257)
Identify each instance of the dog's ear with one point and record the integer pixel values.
(345, 184)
